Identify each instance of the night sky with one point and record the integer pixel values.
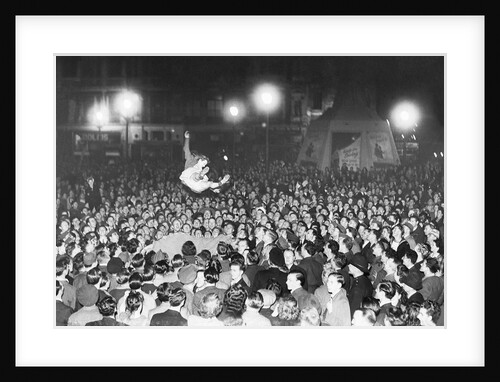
(417, 78)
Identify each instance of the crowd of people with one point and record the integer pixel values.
(299, 247)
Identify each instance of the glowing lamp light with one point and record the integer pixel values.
(225, 157)
(435, 155)
(128, 103)
(442, 155)
(405, 115)
(267, 97)
(234, 111)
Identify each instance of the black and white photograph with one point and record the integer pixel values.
(250, 191)
(276, 193)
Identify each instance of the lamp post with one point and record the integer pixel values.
(99, 116)
(234, 112)
(128, 103)
(405, 116)
(267, 99)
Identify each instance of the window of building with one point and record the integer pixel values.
(157, 136)
(214, 107)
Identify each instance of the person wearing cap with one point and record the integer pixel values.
(361, 286)
(87, 295)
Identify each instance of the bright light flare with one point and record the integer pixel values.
(234, 111)
(405, 115)
(99, 114)
(267, 97)
(128, 103)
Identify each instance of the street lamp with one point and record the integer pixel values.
(99, 116)
(405, 116)
(128, 105)
(234, 112)
(267, 98)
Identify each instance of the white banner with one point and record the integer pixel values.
(350, 155)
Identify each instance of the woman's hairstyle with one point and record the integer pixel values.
(234, 299)
(387, 287)
(433, 309)
(372, 303)
(177, 297)
(138, 260)
(122, 276)
(411, 312)
(93, 276)
(433, 264)
(132, 244)
(340, 260)
(188, 248)
(148, 273)
(107, 306)
(104, 279)
(210, 306)
(135, 281)
(327, 269)
(309, 316)
(252, 257)
(211, 275)
(273, 285)
(162, 267)
(134, 301)
(163, 292)
(288, 308)
(255, 300)
(333, 246)
(395, 316)
(61, 264)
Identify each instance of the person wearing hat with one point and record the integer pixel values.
(87, 295)
(411, 283)
(361, 286)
